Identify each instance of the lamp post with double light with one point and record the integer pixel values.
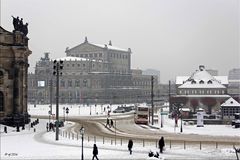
(64, 114)
(82, 133)
(67, 111)
(57, 67)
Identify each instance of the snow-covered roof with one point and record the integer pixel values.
(185, 109)
(222, 79)
(230, 102)
(189, 84)
(200, 95)
(181, 79)
(70, 58)
(110, 47)
(202, 79)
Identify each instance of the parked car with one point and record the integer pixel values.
(119, 110)
(61, 123)
(129, 108)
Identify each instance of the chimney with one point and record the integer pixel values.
(110, 43)
(201, 67)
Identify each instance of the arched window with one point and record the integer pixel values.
(193, 82)
(1, 101)
(1, 77)
(201, 82)
(209, 82)
(77, 83)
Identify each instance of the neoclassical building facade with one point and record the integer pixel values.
(13, 77)
(92, 73)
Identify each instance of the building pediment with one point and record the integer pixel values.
(84, 47)
(87, 47)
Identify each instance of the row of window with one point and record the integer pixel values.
(83, 65)
(91, 55)
(142, 83)
(69, 83)
(230, 111)
(201, 82)
(201, 92)
(118, 56)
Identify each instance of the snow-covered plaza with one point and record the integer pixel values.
(41, 144)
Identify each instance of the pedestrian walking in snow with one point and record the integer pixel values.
(161, 144)
(130, 145)
(107, 124)
(47, 126)
(111, 123)
(95, 152)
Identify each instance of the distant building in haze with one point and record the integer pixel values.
(234, 83)
(92, 73)
(152, 72)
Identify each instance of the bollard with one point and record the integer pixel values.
(156, 144)
(143, 143)
(200, 145)
(34, 129)
(5, 129)
(77, 136)
(18, 128)
(103, 140)
(121, 141)
(23, 127)
(170, 144)
(216, 145)
(184, 143)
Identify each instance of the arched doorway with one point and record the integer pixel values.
(1, 101)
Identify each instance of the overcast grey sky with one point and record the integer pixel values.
(173, 36)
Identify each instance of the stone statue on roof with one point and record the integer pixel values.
(19, 26)
(15, 23)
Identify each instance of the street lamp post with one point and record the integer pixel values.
(49, 114)
(82, 133)
(67, 111)
(95, 108)
(181, 129)
(57, 67)
(161, 118)
(115, 131)
(63, 114)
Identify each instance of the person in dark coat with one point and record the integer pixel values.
(130, 145)
(47, 126)
(161, 144)
(107, 124)
(111, 123)
(95, 152)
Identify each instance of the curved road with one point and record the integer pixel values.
(126, 128)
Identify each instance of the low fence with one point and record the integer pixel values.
(171, 144)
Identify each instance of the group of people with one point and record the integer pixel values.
(161, 145)
(50, 127)
(109, 123)
(19, 26)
